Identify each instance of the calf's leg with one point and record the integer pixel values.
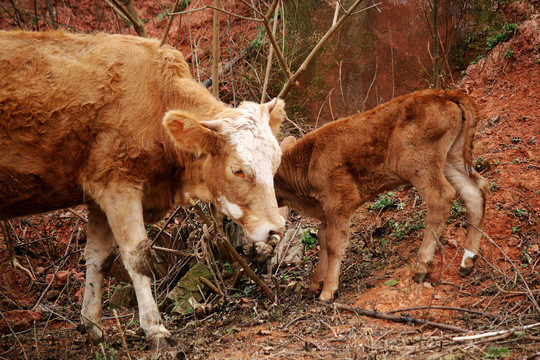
(320, 269)
(99, 254)
(124, 212)
(472, 189)
(336, 244)
(438, 194)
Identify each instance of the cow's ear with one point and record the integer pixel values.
(287, 143)
(276, 107)
(188, 133)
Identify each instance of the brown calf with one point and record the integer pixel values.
(423, 139)
(118, 123)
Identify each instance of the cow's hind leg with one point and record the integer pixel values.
(438, 195)
(99, 254)
(123, 208)
(472, 189)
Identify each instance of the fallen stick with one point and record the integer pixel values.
(222, 239)
(400, 319)
(443, 308)
(234, 254)
(494, 333)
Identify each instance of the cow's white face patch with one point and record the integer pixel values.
(252, 138)
(232, 210)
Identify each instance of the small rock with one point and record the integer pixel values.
(494, 120)
(52, 295)
(533, 249)
(515, 139)
(79, 276)
(124, 296)
(60, 279)
(453, 242)
(532, 141)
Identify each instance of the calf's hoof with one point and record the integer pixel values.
(465, 271)
(328, 296)
(420, 277)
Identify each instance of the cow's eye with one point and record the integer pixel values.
(238, 172)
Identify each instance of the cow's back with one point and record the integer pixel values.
(76, 109)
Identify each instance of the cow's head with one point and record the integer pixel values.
(241, 156)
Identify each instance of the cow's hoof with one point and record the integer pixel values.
(161, 342)
(465, 271)
(420, 277)
(95, 334)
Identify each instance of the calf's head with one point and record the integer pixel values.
(241, 156)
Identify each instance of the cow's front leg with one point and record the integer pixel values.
(320, 269)
(99, 254)
(123, 208)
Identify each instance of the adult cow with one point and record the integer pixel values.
(118, 123)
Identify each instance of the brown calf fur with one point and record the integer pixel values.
(118, 123)
(423, 139)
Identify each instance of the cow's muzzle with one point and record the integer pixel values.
(265, 250)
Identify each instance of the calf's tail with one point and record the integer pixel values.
(470, 116)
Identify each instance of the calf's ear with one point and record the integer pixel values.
(287, 143)
(188, 133)
(276, 108)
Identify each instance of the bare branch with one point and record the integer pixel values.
(292, 81)
(130, 14)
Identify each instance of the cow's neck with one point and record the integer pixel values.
(191, 182)
(194, 98)
(291, 180)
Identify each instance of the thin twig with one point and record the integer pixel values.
(176, 7)
(173, 251)
(270, 57)
(401, 319)
(218, 9)
(292, 81)
(80, 216)
(66, 256)
(175, 212)
(494, 333)
(529, 292)
(210, 285)
(14, 334)
(443, 308)
(121, 333)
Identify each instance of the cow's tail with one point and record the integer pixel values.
(470, 116)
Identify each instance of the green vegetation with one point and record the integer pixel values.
(456, 211)
(308, 240)
(497, 353)
(386, 202)
(502, 36)
(391, 282)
